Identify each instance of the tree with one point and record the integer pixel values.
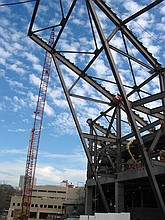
(6, 191)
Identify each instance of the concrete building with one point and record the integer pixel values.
(51, 202)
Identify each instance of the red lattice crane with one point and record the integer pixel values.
(35, 135)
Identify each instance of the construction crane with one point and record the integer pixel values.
(35, 135)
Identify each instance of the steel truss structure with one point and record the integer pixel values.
(125, 98)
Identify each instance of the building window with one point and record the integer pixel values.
(41, 190)
(45, 206)
(41, 206)
(51, 191)
(36, 205)
(59, 207)
(43, 215)
(50, 206)
(18, 204)
(33, 215)
(13, 203)
(55, 206)
(32, 205)
(61, 191)
(34, 190)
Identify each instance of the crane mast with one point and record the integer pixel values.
(35, 135)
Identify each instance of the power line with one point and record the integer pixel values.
(16, 3)
(149, 33)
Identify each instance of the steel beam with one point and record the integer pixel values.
(148, 99)
(99, 138)
(33, 17)
(155, 141)
(80, 132)
(113, 17)
(64, 22)
(142, 11)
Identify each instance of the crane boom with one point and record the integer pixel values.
(35, 135)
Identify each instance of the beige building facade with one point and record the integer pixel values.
(51, 202)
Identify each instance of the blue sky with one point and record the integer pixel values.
(21, 60)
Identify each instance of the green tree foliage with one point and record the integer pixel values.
(6, 191)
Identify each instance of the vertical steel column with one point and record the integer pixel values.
(80, 133)
(139, 139)
(89, 189)
(119, 187)
(118, 128)
(88, 200)
(119, 197)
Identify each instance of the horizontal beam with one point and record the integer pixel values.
(99, 138)
(148, 99)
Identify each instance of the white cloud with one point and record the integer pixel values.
(31, 57)
(17, 130)
(61, 103)
(100, 67)
(14, 84)
(16, 68)
(162, 9)
(32, 99)
(12, 151)
(78, 156)
(37, 67)
(13, 169)
(77, 21)
(19, 101)
(49, 110)
(34, 80)
(160, 26)
(55, 93)
(70, 166)
(63, 124)
(70, 46)
(44, 172)
(15, 103)
(3, 61)
(5, 54)
(17, 46)
(132, 6)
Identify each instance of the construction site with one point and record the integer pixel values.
(124, 138)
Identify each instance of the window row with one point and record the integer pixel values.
(47, 206)
(48, 191)
(43, 206)
(50, 197)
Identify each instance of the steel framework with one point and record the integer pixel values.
(127, 124)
